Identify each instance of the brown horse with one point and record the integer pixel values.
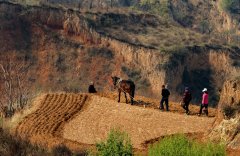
(127, 86)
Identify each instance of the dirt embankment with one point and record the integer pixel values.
(196, 13)
(227, 124)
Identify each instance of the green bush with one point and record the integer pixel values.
(117, 144)
(231, 6)
(155, 6)
(180, 145)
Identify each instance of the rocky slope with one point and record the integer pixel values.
(67, 49)
(227, 125)
(205, 16)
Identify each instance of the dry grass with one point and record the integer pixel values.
(157, 36)
(19, 116)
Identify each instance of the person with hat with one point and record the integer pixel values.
(91, 88)
(204, 103)
(187, 97)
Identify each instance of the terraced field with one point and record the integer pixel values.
(44, 126)
(80, 120)
(142, 124)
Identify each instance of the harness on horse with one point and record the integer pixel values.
(118, 82)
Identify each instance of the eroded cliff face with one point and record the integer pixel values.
(227, 125)
(67, 53)
(88, 4)
(207, 15)
(198, 68)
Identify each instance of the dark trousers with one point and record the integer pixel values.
(166, 102)
(185, 106)
(201, 108)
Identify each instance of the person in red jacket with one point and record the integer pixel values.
(187, 97)
(204, 103)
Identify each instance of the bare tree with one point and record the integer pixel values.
(91, 4)
(7, 78)
(14, 86)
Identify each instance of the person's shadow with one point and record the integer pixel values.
(142, 103)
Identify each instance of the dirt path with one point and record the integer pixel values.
(142, 124)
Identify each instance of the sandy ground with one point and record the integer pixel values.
(101, 114)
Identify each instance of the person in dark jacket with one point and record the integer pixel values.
(187, 97)
(91, 88)
(165, 96)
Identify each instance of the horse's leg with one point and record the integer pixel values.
(126, 97)
(131, 99)
(132, 96)
(119, 95)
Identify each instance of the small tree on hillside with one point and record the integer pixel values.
(14, 85)
(204, 27)
(232, 6)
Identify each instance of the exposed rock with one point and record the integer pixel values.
(55, 33)
(227, 129)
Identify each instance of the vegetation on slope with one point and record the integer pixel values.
(13, 146)
(117, 143)
(10, 145)
(155, 7)
(180, 145)
(232, 6)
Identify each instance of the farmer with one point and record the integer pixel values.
(165, 96)
(187, 97)
(91, 88)
(204, 103)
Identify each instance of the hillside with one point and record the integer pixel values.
(57, 47)
(65, 49)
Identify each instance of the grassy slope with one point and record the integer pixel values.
(176, 23)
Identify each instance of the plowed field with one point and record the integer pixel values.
(80, 120)
(44, 126)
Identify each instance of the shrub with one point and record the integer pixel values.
(61, 150)
(60, 62)
(204, 27)
(100, 52)
(132, 73)
(229, 111)
(117, 144)
(231, 6)
(155, 6)
(180, 145)
(10, 145)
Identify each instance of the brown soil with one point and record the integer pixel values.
(44, 126)
(142, 101)
(101, 114)
(80, 120)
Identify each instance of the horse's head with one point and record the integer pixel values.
(115, 80)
